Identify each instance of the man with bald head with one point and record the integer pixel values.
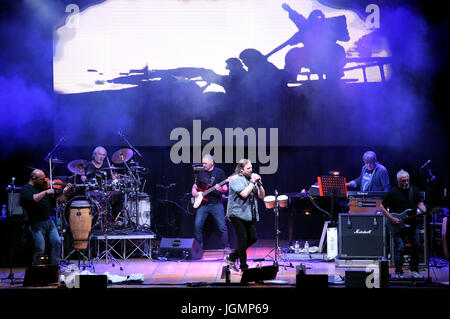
(210, 176)
(37, 200)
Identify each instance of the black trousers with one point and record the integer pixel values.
(246, 236)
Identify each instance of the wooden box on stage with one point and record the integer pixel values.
(364, 205)
(365, 202)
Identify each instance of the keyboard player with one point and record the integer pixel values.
(374, 176)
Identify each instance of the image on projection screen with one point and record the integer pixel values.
(116, 44)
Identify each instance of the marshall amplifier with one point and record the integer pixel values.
(362, 236)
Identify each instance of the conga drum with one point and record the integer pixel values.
(80, 221)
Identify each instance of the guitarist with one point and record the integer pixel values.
(401, 197)
(210, 176)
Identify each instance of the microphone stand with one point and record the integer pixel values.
(135, 180)
(129, 144)
(11, 248)
(428, 237)
(277, 235)
(49, 158)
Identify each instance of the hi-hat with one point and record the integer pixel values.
(80, 167)
(122, 155)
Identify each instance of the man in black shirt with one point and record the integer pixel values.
(401, 197)
(37, 200)
(96, 166)
(210, 175)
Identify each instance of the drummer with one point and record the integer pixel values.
(97, 164)
(97, 168)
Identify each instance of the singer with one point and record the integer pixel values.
(242, 210)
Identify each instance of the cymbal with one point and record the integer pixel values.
(122, 155)
(111, 167)
(80, 167)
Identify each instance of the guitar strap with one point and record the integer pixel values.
(411, 199)
(213, 177)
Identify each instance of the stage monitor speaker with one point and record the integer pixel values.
(362, 236)
(41, 275)
(383, 266)
(92, 281)
(14, 207)
(259, 274)
(180, 248)
(314, 281)
(357, 278)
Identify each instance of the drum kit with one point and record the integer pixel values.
(101, 203)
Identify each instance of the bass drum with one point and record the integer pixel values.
(144, 207)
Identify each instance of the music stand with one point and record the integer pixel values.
(332, 186)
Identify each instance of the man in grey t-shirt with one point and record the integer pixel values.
(242, 209)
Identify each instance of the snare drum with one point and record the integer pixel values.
(269, 201)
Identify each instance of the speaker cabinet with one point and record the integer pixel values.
(92, 281)
(362, 236)
(180, 248)
(41, 275)
(357, 278)
(259, 274)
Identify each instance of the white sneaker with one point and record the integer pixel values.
(415, 274)
(231, 263)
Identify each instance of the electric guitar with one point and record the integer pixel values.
(405, 218)
(198, 200)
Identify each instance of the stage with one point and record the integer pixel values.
(207, 272)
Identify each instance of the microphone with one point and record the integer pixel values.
(258, 181)
(13, 179)
(428, 162)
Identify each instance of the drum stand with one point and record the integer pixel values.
(135, 187)
(277, 248)
(109, 258)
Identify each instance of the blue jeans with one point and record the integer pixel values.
(45, 232)
(217, 212)
(399, 248)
